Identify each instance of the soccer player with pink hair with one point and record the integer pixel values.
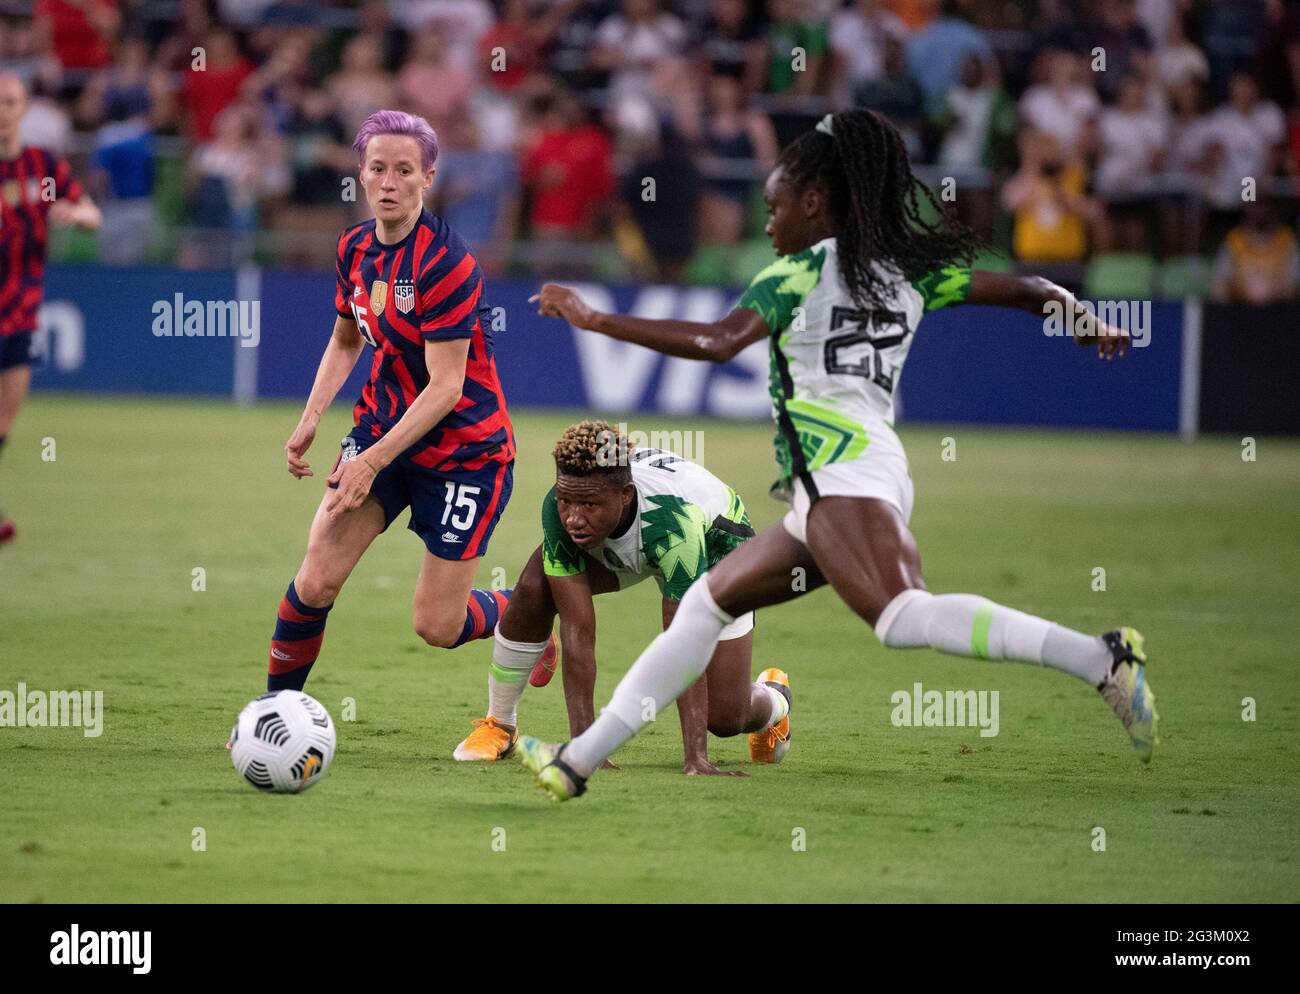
(431, 430)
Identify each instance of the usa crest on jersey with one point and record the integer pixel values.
(404, 295)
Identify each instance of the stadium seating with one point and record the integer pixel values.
(1186, 276)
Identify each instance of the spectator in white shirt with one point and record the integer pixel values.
(1183, 204)
(1131, 157)
(1065, 106)
(857, 39)
(639, 46)
(1240, 147)
(1180, 60)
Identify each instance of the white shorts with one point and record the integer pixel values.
(741, 626)
(880, 472)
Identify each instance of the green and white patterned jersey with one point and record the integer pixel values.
(687, 520)
(834, 367)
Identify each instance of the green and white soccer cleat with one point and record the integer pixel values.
(1127, 692)
(554, 775)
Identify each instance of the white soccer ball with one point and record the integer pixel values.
(283, 742)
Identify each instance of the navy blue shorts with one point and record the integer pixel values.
(454, 513)
(16, 350)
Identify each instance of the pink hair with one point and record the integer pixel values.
(398, 122)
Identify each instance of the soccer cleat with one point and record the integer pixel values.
(554, 775)
(1127, 692)
(771, 745)
(490, 740)
(7, 532)
(545, 667)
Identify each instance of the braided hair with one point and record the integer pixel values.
(594, 448)
(863, 165)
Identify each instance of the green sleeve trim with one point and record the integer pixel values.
(946, 287)
(560, 554)
(783, 286)
(673, 542)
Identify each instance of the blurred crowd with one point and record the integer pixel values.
(1109, 142)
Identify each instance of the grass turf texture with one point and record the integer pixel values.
(1199, 550)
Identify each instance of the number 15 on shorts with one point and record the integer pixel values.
(461, 499)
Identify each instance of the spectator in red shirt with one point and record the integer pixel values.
(81, 31)
(212, 82)
(568, 170)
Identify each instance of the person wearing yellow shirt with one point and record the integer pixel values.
(1051, 209)
(1259, 262)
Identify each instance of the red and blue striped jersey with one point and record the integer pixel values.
(29, 186)
(427, 287)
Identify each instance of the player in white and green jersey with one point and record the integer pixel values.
(615, 517)
(859, 265)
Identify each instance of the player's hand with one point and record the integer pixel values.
(353, 478)
(1092, 331)
(62, 212)
(607, 765)
(297, 446)
(1112, 341)
(1109, 340)
(555, 301)
(703, 768)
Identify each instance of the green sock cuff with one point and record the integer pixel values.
(979, 631)
(504, 674)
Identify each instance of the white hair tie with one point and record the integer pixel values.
(824, 125)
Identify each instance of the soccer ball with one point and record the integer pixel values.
(283, 742)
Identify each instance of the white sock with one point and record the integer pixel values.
(780, 706)
(667, 668)
(966, 625)
(508, 676)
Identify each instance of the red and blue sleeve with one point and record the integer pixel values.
(343, 282)
(66, 186)
(449, 294)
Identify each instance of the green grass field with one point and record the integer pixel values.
(1200, 551)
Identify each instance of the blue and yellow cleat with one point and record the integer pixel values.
(1127, 692)
(553, 774)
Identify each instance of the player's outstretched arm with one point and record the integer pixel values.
(717, 341)
(693, 713)
(84, 213)
(577, 611)
(1038, 296)
(340, 356)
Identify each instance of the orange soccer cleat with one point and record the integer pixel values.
(490, 740)
(771, 745)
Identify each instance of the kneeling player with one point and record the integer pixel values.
(614, 518)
